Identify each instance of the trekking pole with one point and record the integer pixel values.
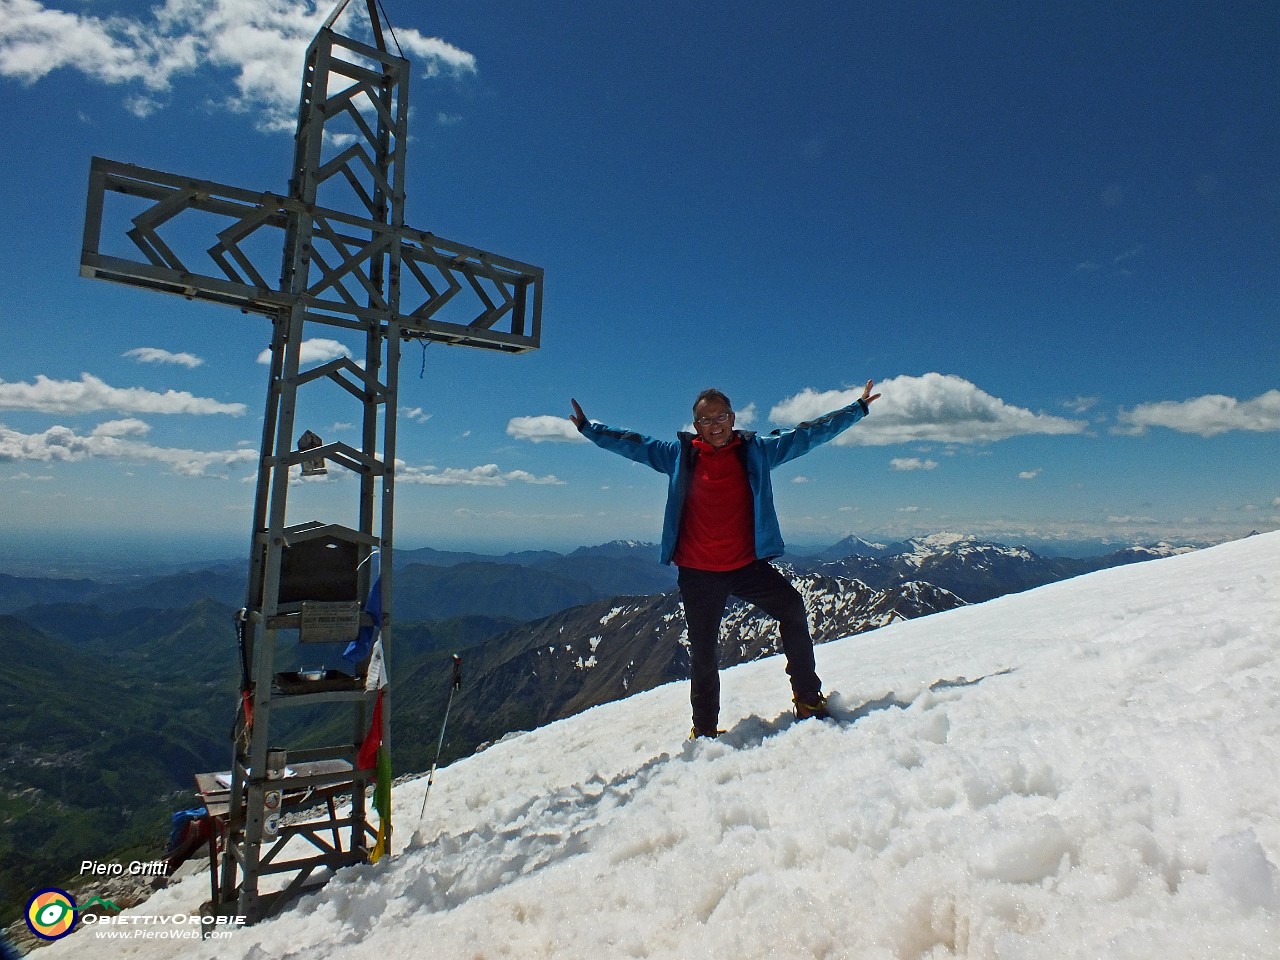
(454, 683)
(246, 685)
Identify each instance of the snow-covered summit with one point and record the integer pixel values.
(1157, 550)
(1082, 770)
(617, 548)
(943, 540)
(950, 542)
(920, 551)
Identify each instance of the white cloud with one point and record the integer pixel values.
(416, 414)
(90, 394)
(544, 429)
(1080, 405)
(35, 40)
(440, 56)
(800, 479)
(1029, 474)
(112, 441)
(156, 355)
(934, 407)
(315, 350)
(1205, 416)
(262, 45)
(130, 427)
(488, 475)
(142, 106)
(912, 463)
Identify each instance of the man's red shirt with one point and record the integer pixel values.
(717, 524)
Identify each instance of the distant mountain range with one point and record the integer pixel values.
(973, 569)
(435, 584)
(430, 584)
(525, 586)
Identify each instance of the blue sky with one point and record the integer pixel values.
(1051, 232)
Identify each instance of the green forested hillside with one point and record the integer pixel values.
(101, 746)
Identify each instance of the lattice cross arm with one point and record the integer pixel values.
(463, 295)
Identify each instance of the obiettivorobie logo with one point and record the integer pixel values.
(52, 913)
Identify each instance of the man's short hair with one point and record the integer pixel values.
(711, 393)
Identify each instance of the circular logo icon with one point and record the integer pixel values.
(51, 913)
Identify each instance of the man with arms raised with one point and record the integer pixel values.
(721, 530)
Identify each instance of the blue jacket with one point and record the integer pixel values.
(761, 454)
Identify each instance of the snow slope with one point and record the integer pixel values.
(1095, 777)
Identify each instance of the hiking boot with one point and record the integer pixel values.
(815, 707)
(702, 734)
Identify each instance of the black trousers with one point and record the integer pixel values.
(706, 595)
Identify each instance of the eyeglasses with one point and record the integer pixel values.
(718, 418)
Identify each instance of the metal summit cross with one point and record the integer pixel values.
(352, 265)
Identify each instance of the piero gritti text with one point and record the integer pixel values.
(137, 868)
